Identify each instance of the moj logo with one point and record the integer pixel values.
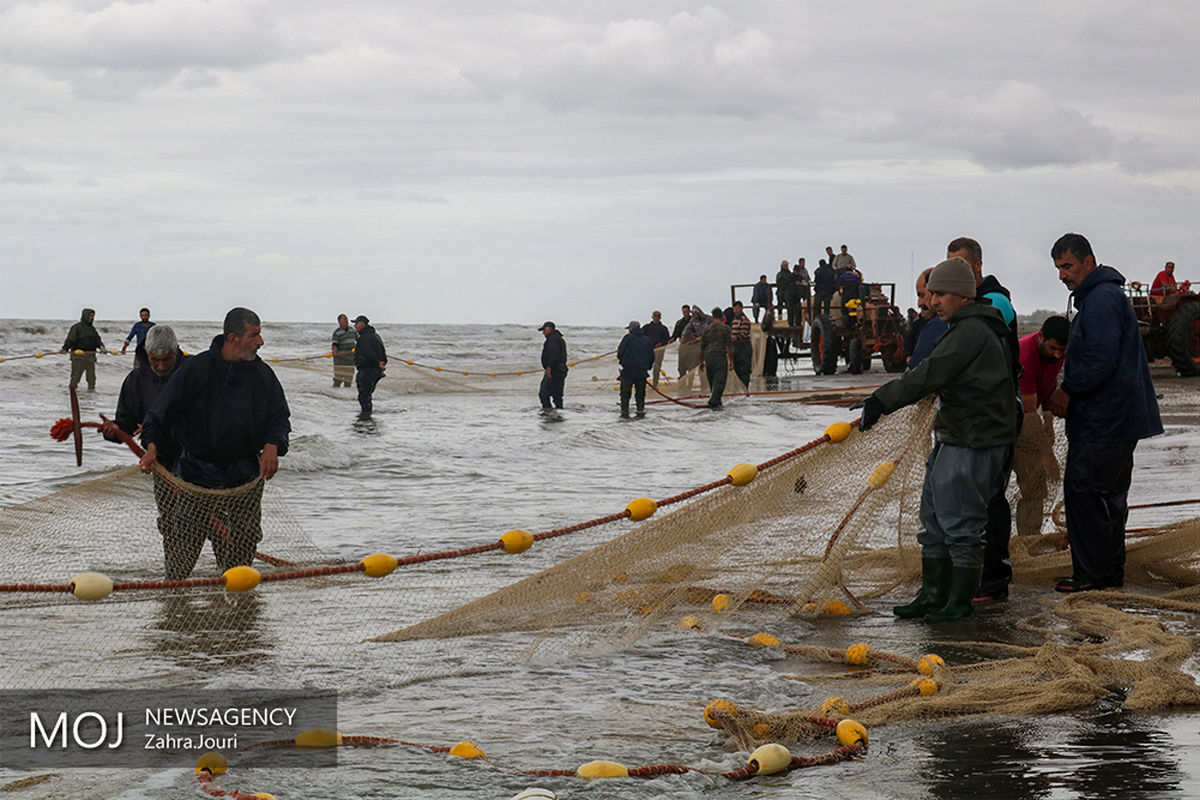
(89, 731)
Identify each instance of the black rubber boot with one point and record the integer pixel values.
(964, 582)
(935, 588)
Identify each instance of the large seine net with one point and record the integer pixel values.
(819, 532)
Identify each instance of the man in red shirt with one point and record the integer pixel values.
(1033, 456)
(1164, 282)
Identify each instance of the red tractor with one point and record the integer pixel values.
(860, 330)
(1170, 326)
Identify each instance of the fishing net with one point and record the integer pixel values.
(811, 536)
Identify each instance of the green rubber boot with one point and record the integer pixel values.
(964, 582)
(935, 588)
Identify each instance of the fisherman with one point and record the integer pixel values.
(343, 342)
(760, 297)
(973, 372)
(997, 566)
(743, 350)
(783, 286)
(844, 261)
(370, 359)
(635, 354)
(554, 367)
(824, 285)
(139, 330)
(716, 348)
(798, 298)
(1107, 398)
(926, 329)
(155, 361)
(226, 410)
(691, 353)
(83, 337)
(1033, 455)
(658, 335)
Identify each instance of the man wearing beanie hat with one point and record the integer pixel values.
(972, 370)
(635, 354)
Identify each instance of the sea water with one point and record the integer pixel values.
(450, 460)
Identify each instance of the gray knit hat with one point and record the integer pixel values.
(953, 276)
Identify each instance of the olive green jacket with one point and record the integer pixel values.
(971, 371)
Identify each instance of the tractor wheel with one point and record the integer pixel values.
(1183, 339)
(856, 360)
(826, 345)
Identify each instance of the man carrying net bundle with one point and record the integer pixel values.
(973, 371)
(227, 411)
(157, 359)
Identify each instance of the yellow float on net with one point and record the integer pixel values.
(720, 602)
(302, 358)
(850, 731)
(838, 431)
(880, 474)
(764, 640)
(927, 663)
(858, 654)
(409, 363)
(78, 352)
(641, 508)
(926, 686)
(771, 758)
(516, 541)
(602, 769)
(741, 474)
(836, 608)
(241, 578)
(467, 749)
(835, 704)
(689, 623)
(213, 763)
(91, 586)
(761, 729)
(720, 704)
(318, 737)
(377, 565)
(263, 796)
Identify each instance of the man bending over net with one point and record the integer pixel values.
(227, 411)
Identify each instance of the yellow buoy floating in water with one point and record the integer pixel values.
(850, 731)
(377, 565)
(516, 541)
(720, 602)
(318, 738)
(641, 508)
(927, 663)
(467, 749)
(835, 704)
(771, 758)
(858, 654)
(742, 474)
(241, 578)
(213, 763)
(91, 586)
(602, 769)
(720, 704)
(765, 640)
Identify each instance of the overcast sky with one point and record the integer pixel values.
(497, 161)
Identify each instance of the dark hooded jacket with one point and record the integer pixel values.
(554, 353)
(369, 352)
(83, 335)
(1105, 370)
(972, 370)
(824, 279)
(141, 388)
(635, 354)
(222, 413)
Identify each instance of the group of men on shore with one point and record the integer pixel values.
(990, 386)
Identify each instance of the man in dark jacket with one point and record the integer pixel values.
(635, 354)
(227, 411)
(1108, 400)
(370, 359)
(554, 366)
(783, 285)
(658, 335)
(760, 296)
(972, 370)
(83, 342)
(156, 360)
(716, 350)
(824, 285)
